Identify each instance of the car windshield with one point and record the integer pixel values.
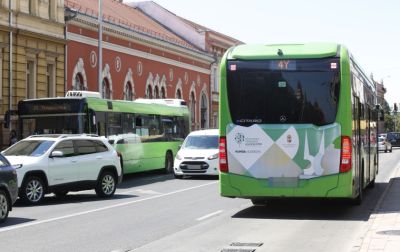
(33, 148)
(381, 139)
(201, 142)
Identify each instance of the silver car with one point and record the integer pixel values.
(384, 144)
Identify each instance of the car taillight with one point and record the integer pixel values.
(223, 158)
(345, 154)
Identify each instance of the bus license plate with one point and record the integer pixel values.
(283, 182)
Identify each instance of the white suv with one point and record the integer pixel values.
(61, 163)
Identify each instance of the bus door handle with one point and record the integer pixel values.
(99, 157)
(74, 161)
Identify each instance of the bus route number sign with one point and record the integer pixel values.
(283, 65)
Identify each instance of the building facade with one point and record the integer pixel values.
(140, 58)
(204, 39)
(35, 66)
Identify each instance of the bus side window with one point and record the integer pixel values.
(101, 123)
(139, 121)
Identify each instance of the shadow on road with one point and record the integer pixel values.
(316, 209)
(144, 178)
(11, 221)
(73, 198)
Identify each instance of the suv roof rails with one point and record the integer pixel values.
(62, 135)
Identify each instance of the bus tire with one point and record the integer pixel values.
(358, 200)
(259, 202)
(169, 163)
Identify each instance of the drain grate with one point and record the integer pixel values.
(250, 247)
(238, 250)
(247, 244)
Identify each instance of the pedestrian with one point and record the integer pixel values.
(13, 137)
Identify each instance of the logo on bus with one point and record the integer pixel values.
(239, 138)
(282, 118)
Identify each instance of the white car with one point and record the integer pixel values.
(61, 163)
(199, 154)
(384, 144)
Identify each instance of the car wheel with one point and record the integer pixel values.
(391, 149)
(385, 149)
(4, 206)
(32, 191)
(178, 176)
(169, 163)
(106, 185)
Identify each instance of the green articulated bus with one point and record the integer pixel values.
(296, 120)
(146, 133)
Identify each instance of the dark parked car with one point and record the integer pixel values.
(8, 187)
(394, 138)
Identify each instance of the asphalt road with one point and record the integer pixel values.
(154, 212)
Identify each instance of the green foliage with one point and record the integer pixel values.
(392, 123)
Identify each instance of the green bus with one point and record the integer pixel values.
(146, 133)
(296, 120)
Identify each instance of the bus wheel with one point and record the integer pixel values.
(259, 202)
(169, 163)
(358, 200)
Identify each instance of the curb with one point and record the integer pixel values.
(363, 244)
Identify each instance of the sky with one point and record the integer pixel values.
(370, 29)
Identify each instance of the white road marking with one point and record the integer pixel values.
(143, 191)
(209, 215)
(33, 223)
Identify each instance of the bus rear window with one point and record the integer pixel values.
(283, 91)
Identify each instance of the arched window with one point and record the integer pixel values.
(192, 107)
(156, 92)
(178, 94)
(105, 91)
(128, 94)
(78, 82)
(203, 111)
(163, 96)
(149, 92)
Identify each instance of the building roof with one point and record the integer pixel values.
(129, 17)
(190, 31)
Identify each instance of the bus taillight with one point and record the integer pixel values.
(223, 158)
(345, 154)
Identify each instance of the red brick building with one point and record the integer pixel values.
(202, 38)
(141, 58)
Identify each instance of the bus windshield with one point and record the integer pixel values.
(52, 116)
(303, 91)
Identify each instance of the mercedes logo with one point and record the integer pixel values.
(282, 118)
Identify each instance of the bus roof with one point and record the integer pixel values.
(136, 107)
(284, 51)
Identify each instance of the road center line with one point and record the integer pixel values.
(101, 208)
(209, 215)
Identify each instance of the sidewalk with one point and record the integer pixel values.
(383, 233)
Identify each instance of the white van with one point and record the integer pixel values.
(198, 154)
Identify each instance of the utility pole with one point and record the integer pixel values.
(10, 73)
(100, 18)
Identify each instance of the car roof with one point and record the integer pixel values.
(55, 137)
(208, 132)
